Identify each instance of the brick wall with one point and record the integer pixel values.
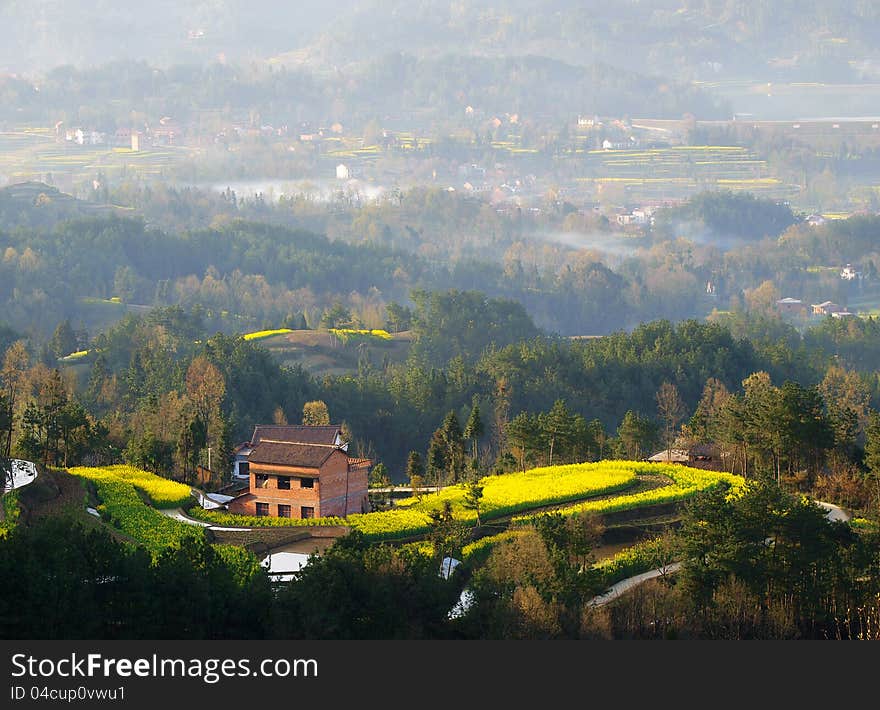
(335, 477)
(327, 497)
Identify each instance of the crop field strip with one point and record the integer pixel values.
(122, 491)
(515, 494)
(124, 509)
(503, 495)
(121, 505)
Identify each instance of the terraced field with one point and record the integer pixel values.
(121, 490)
(602, 487)
(32, 153)
(681, 170)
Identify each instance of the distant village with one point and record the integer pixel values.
(798, 309)
(614, 167)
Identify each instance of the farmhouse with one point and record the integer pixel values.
(848, 273)
(697, 456)
(322, 435)
(793, 306)
(670, 456)
(826, 308)
(300, 472)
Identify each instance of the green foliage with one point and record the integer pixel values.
(84, 584)
(355, 590)
(379, 476)
(473, 498)
(399, 317)
(11, 513)
(464, 323)
(656, 553)
(727, 214)
(336, 317)
(415, 467)
(637, 434)
(872, 445)
(64, 340)
(779, 546)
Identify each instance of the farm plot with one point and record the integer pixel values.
(683, 169)
(33, 153)
(121, 506)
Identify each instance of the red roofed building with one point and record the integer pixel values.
(302, 472)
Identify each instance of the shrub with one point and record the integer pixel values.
(11, 513)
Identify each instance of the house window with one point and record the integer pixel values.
(283, 484)
(307, 512)
(261, 480)
(262, 509)
(306, 482)
(244, 469)
(283, 511)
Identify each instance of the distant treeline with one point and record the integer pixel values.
(423, 92)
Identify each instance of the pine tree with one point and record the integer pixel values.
(474, 429)
(556, 427)
(453, 444)
(872, 449)
(414, 465)
(436, 459)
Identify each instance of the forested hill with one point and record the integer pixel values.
(40, 206)
(393, 84)
(682, 38)
(60, 264)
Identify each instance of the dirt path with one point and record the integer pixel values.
(178, 514)
(835, 513)
(624, 585)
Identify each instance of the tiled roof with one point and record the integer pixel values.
(282, 453)
(297, 434)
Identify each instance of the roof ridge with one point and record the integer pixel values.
(297, 426)
(296, 443)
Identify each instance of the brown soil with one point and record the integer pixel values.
(53, 493)
(56, 493)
